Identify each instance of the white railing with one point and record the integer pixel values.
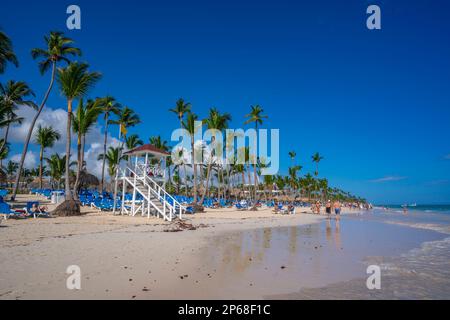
(132, 179)
(161, 193)
(169, 210)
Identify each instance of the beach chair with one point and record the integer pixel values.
(35, 214)
(5, 210)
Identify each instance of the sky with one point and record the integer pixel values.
(374, 103)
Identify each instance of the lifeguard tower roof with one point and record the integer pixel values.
(147, 149)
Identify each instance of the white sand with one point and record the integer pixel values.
(121, 257)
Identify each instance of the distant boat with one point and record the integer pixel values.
(413, 205)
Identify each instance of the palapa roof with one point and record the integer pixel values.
(147, 149)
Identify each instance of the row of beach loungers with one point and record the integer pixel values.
(103, 201)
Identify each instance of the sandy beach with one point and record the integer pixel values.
(230, 255)
(119, 256)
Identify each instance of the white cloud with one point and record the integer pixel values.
(57, 119)
(31, 159)
(389, 178)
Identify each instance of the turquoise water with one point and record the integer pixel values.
(440, 208)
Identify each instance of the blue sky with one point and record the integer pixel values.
(376, 104)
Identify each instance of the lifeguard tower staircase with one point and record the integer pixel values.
(145, 175)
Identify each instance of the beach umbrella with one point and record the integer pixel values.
(3, 176)
(86, 179)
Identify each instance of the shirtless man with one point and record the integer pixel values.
(337, 209)
(328, 209)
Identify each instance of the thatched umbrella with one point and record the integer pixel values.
(88, 180)
(3, 176)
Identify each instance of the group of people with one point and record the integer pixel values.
(329, 207)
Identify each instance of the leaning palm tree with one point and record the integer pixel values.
(219, 122)
(191, 128)
(316, 158)
(75, 80)
(45, 137)
(110, 107)
(255, 116)
(6, 52)
(58, 47)
(12, 95)
(83, 120)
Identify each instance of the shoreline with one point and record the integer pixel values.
(232, 254)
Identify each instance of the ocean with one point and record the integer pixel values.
(440, 208)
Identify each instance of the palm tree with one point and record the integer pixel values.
(58, 47)
(256, 117)
(83, 120)
(11, 167)
(293, 182)
(292, 155)
(181, 108)
(12, 95)
(316, 158)
(4, 152)
(133, 141)
(75, 80)
(110, 107)
(159, 143)
(126, 118)
(308, 184)
(45, 137)
(191, 128)
(219, 122)
(57, 167)
(113, 158)
(6, 52)
(323, 186)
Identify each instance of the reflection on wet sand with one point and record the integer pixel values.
(273, 261)
(240, 251)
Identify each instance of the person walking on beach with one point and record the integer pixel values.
(328, 209)
(337, 209)
(318, 207)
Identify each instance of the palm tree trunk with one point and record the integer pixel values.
(249, 178)
(185, 180)
(208, 174)
(195, 170)
(102, 183)
(79, 167)
(41, 156)
(178, 182)
(254, 165)
(69, 195)
(30, 132)
(5, 141)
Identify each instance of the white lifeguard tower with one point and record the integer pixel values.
(145, 175)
